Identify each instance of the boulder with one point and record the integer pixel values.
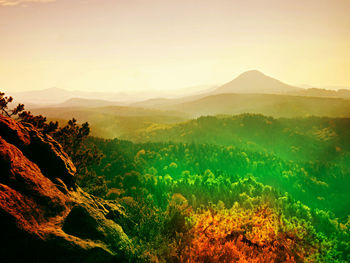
(44, 215)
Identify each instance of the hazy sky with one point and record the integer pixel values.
(126, 45)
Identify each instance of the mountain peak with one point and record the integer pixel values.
(251, 73)
(254, 81)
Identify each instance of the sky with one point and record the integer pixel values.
(140, 45)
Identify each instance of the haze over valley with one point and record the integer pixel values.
(116, 115)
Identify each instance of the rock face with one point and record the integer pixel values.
(44, 215)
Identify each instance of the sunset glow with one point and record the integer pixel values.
(107, 45)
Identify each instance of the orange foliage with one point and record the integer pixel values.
(242, 235)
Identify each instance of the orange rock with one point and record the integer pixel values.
(44, 215)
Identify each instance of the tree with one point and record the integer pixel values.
(72, 137)
(4, 102)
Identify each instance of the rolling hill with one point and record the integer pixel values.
(112, 121)
(267, 104)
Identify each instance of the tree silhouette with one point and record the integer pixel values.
(4, 102)
(72, 137)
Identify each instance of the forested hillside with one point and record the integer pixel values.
(312, 182)
(311, 138)
(226, 178)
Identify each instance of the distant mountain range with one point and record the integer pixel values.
(250, 92)
(57, 96)
(255, 92)
(54, 96)
(250, 82)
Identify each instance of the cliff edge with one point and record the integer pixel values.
(44, 215)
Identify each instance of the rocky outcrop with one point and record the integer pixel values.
(44, 215)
